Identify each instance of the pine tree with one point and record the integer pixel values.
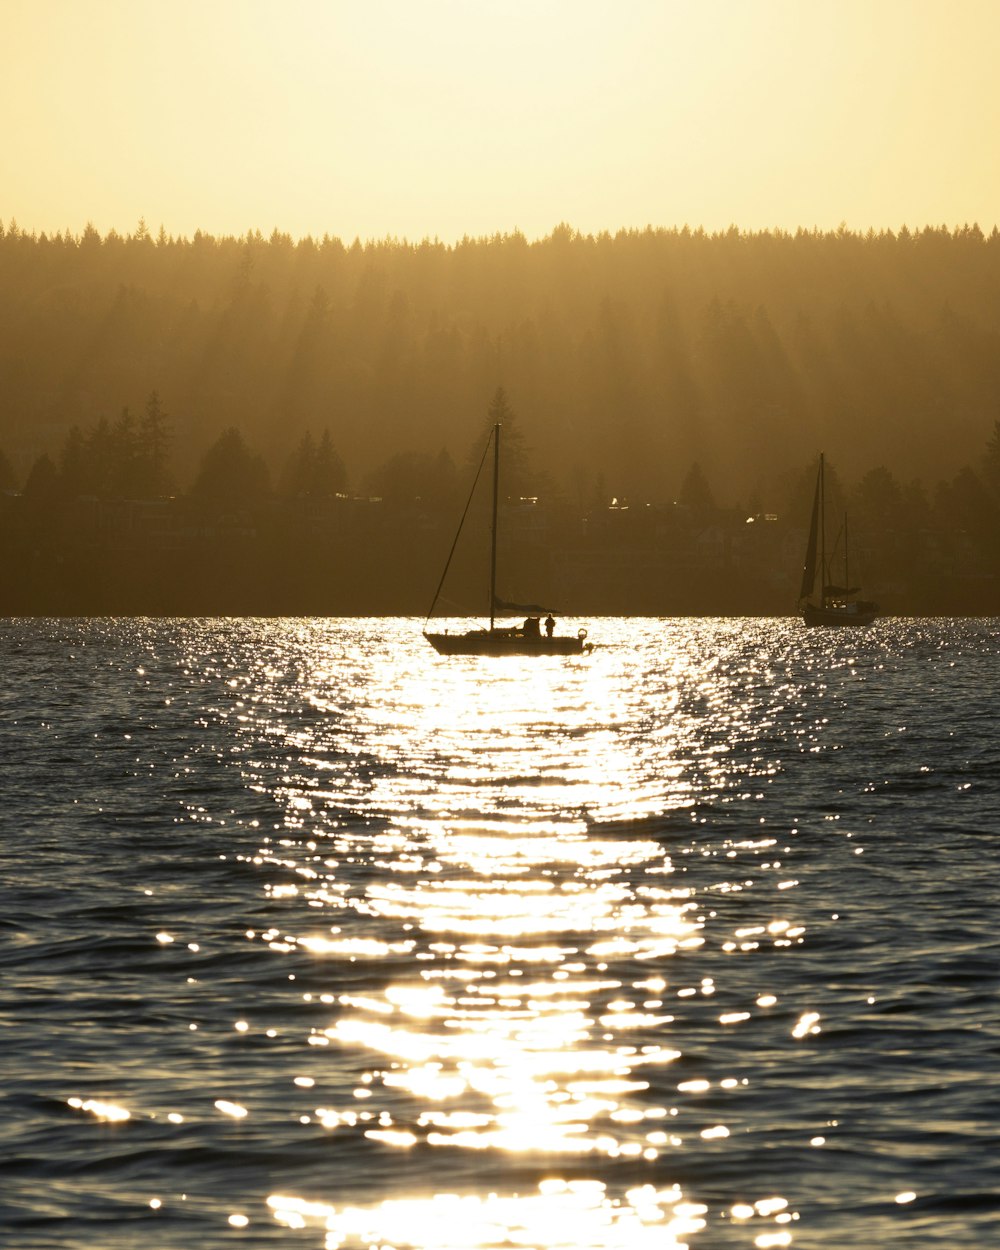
(516, 479)
(297, 474)
(7, 479)
(154, 441)
(329, 476)
(230, 476)
(75, 478)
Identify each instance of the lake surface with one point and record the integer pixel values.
(313, 938)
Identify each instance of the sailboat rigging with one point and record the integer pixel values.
(837, 603)
(525, 639)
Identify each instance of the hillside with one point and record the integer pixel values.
(627, 357)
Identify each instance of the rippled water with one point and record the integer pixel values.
(314, 938)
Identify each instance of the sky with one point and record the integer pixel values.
(414, 119)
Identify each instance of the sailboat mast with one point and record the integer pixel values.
(823, 579)
(493, 531)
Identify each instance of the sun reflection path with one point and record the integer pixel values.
(499, 1014)
(519, 1060)
(477, 854)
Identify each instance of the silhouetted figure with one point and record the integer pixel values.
(549, 625)
(530, 627)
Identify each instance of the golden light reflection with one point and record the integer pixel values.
(356, 947)
(465, 731)
(108, 1111)
(560, 1215)
(523, 1051)
(555, 1062)
(806, 1025)
(770, 1206)
(767, 1208)
(233, 1109)
(513, 861)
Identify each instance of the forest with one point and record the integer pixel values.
(202, 424)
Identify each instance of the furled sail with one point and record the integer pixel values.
(504, 606)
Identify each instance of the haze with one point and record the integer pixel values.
(389, 118)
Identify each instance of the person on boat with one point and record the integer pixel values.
(530, 627)
(549, 625)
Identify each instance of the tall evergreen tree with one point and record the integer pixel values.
(313, 469)
(7, 478)
(99, 451)
(124, 458)
(516, 478)
(696, 494)
(42, 485)
(75, 478)
(329, 473)
(230, 476)
(295, 479)
(154, 443)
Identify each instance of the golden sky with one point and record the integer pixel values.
(439, 118)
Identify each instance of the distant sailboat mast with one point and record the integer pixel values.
(493, 531)
(836, 604)
(824, 575)
(809, 565)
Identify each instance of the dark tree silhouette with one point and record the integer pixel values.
(696, 495)
(413, 477)
(123, 458)
(100, 458)
(877, 500)
(314, 470)
(231, 477)
(516, 477)
(8, 480)
(329, 473)
(74, 469)
(296, 478)
(154, 449)
(42, 484)
(991, 461)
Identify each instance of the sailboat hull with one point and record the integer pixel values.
(508, 642)
(856, 613)
(501, 640)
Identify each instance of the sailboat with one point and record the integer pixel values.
(525, 639)
(837, 604)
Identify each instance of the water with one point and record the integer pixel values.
(314, 938)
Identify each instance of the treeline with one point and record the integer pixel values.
(103, 527)
(629, 357)
(131, 458)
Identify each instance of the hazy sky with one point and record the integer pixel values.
(439, 118)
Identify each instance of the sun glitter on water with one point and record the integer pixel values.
(480, 848)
